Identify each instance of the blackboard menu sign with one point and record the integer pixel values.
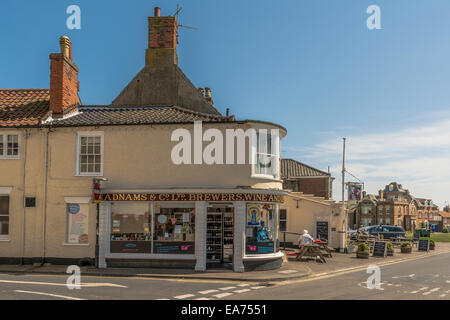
(259, 247)
(380, 249)
(174, 247)
(424, 245)
(322, 230)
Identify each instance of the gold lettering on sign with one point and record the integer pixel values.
(193, 197)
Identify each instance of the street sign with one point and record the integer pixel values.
(380, 249)
(424, 245)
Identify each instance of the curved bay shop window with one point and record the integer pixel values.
(174, 230)
(260, 229)
(130, 227)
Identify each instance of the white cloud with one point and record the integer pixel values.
(417, 157)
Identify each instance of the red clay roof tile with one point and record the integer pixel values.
(23, 107)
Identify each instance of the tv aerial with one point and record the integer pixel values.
(177, 15)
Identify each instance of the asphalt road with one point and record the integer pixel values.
(427, 278)
(421, 279)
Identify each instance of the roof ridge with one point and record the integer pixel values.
(198, 113)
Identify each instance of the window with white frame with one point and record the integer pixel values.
(267, 154)
(4, 216)
(9, 146)
(90, 153)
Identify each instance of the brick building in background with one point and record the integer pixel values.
(299, 177)
(395, 205)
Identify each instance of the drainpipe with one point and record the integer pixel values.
(24, 194)
(44, 220)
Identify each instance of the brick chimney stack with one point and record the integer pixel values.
(64, 85)
(162, 40)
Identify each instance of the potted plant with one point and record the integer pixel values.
(406, 247)
(432, 244)
(390, 249)
(363, 251)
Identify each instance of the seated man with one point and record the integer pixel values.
(305, 238)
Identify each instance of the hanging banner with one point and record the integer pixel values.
(354, 191)
(253, 215)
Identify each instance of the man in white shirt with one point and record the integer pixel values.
(305, 238)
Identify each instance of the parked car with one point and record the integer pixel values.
(386, 231)
(352, 234)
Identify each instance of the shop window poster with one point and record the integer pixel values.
(253, 215)
(77, 223)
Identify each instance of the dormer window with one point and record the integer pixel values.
(9, 146)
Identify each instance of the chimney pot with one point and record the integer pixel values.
(66, 46)
(157, 12)
(201, 91)
(228, 112)
(208, 92)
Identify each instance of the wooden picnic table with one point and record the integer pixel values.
(326, 250)
(310, 250)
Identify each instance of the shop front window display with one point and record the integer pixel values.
(130, 228)
(174, 230)
(260, 229)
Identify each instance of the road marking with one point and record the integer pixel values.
(421, 289)
(227, 288)
(87, 285)
(243, 285)
(288, 271)
(163, 299)
(341, 272)
(431, 291)
(184, 296)
(443, 295)
(256, 288)
(49, 294)
(222, 295)
(242, 290)
(203, 298)
(208, 291)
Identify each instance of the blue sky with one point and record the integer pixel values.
(311, 66)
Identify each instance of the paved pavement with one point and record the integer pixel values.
(290, 270)
(415, 276)
(422, 278)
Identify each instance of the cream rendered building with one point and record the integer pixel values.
(154, 212)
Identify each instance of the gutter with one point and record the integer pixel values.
(44, 220)
(24, 195)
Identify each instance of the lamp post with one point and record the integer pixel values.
(343, 231)
(97, 200)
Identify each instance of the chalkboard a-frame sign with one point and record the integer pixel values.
(424, 245)
(380, 249)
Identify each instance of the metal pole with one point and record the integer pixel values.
(97, 249)
(343, 203)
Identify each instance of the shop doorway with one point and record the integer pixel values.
(219, 237)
